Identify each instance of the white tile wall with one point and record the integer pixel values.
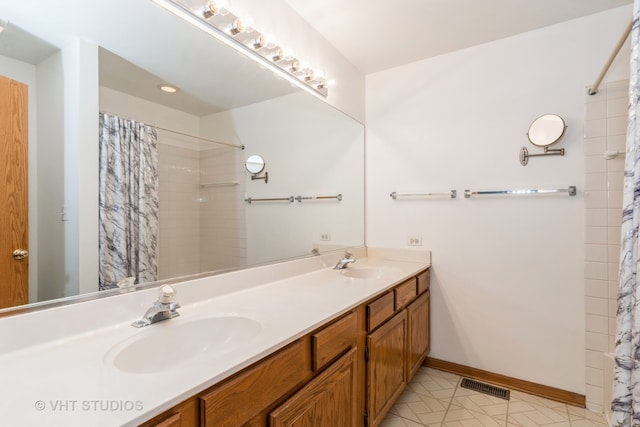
(604, 129)
(223, 243)
(201, 228)
(179, 217)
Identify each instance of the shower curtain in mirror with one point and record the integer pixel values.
(128, 200)
(625, 404)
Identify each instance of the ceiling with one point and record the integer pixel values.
(378, 34)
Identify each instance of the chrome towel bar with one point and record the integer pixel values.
(219, 184)
(452, 194)
(272, 199)
(570, 190)
(291, 199)
(301, 198)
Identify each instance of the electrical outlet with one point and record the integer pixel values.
(325, 237)
(414, 241)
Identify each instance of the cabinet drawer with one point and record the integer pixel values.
(405, 293)
(423, 282)
(333, 340)
(380, 310)
(236, 401)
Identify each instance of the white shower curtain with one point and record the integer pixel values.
(625, 404)
(128, 198)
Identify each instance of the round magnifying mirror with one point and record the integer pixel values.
(254, 164)
(546, 130)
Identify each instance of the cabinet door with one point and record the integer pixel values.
(330, 400)
(418, 333)
(186, 414)
(245, 396)
(386, 367)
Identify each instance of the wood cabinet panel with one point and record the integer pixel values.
(423, 280)
(333, 340)
(386, 367)
(330, 400)
(405, 293)
(185, 414)
(380, 310)
(238, 400)
(418, 333)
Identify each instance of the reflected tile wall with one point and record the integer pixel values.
(605, 129)
(179, 217)
(223, 241)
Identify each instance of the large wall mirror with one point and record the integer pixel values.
(93, 68)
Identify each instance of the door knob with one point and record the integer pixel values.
(20, 254)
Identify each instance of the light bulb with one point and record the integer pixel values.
(236, 27)
(278, 55)
(210, 10)
(258, 42)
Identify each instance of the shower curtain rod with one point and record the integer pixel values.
(596, 85)
(182, 133)
(198, 137)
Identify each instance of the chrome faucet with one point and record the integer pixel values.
(346, 259)
(162, 309)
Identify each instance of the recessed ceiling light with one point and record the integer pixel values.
(168, 88)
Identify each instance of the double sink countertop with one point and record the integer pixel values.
(84, 364)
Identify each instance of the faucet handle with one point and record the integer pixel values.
(166, 295)
(347, 254)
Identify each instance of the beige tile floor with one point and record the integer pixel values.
(435, 398)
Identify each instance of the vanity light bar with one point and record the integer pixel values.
(229, 28)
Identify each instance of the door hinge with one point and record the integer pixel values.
(366, 418)
(366, 354)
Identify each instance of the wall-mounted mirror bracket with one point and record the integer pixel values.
(255, 164)
(265, 177)
(524, 154)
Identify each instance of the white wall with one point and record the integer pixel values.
(507, 288)
(309, 150)
(50, 252)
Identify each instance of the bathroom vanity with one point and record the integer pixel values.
(292, 343)
(348, 372)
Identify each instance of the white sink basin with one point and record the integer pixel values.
(173, 342)
(367, 272)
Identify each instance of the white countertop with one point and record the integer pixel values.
(56, 367)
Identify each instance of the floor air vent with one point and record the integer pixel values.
(491, 390)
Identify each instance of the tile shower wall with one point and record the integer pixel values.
(604, 130)
(179, 217)
(223, 241)
(201, 210)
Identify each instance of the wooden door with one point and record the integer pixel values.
(14, 235)
(330, 400)
(418, 335)
(386, 367)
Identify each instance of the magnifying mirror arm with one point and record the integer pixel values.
(524, 154)
(265, 177)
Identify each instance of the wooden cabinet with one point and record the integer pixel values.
(186, 414)
(329, 400)
(386, 367)
(238, 400)
(397, 348)
(360, 362)
(418, 335)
